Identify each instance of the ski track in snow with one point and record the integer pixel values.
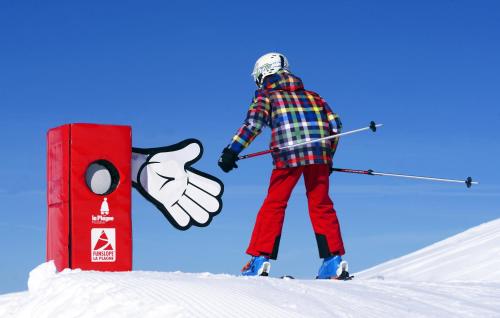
(157, 294)
(457, 277)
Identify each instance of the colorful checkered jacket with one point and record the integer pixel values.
(294, 115)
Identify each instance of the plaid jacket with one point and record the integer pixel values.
(294, 115)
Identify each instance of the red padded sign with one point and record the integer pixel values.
(90, 217)
(58, 141)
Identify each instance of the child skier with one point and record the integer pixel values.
(294, 115)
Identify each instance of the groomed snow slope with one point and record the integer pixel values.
(473, 255)
(74, 293)
(155, 294)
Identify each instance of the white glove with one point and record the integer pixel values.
(184, 195)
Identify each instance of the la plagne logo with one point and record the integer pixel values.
(103, 244)
(103, 217)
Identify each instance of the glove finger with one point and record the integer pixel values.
(190, 152)
(179, 215)
(186, 154)
(203, 199)
(195, 211)
(210, 186)
(234, 165)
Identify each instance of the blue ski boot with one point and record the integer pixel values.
(257, 266)
(334, 267)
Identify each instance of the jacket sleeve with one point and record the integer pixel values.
(258, 117)
(335, 125)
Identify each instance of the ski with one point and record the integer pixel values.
(287, 277)
(343, 277)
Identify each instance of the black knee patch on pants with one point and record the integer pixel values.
(323, 249)
(276, 247)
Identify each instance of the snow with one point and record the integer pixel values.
(473, 255)
(458, 277)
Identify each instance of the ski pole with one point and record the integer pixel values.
(468, 182)
(373, 127)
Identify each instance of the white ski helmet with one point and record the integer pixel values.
(268, 64)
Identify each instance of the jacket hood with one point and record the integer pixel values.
(282, 81)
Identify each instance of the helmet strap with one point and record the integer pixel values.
(258, 81)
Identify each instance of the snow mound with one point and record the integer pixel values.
(156, 294)
(473, 255)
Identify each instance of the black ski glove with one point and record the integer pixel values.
(227, 160)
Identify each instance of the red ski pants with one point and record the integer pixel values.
(267, 231)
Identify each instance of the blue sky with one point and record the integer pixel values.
(428, 70)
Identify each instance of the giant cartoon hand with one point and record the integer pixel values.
(183, 194)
